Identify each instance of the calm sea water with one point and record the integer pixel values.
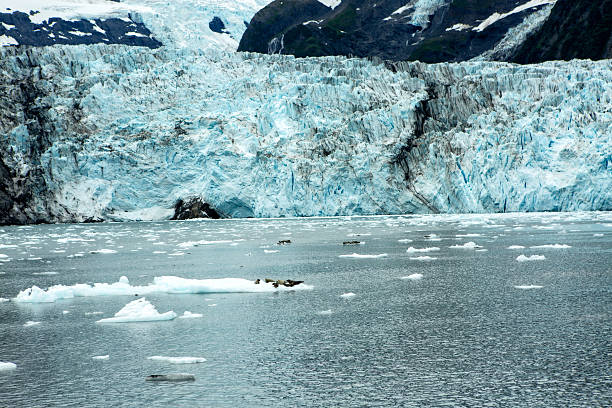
(463, 335)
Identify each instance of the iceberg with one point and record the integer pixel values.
(523, 258)
(6, 366)
(139, 310)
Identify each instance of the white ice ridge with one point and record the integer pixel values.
(528, 287)
(5, 366)
(360, 256)
(139, 310)
(551, 246)
(428, 249)
(414, 276)
(523, 258)
(467, 245)
(161, 284)
(178, 360)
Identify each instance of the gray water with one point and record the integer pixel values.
(463, 335)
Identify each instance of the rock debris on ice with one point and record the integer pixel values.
(139, 310)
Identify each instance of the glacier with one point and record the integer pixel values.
(113, 132)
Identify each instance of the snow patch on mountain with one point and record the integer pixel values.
(493, 18)
(331, 3)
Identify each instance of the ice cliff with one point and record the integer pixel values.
(94, 132)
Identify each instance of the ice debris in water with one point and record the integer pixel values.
(161, 284)
(104, 357)
(423, 258)
(139, 310)
(523, 258)
(429, 249)
(551, 246)
(347, 295)
(4, 299)
(325, 312)
(178, 360)
(103, 251)
(467, 245)
(528, 287)
(30, 323)
(359, 256)
(414, 276)
(516, 247)
(188, 315)
(5, 366)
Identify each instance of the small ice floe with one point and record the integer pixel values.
(404, 241)
(551, 246)
(360, 256)
(65, 312)
(139, 310)
(36, 258)
(159, 252)
(178, 360)
(79, 255)
(4, 300)
(468, 235)
(44, 273)
(270, 251)
(30, 323)
(212, 305)
(467, 245)
(347, 295)
(414, 276)
(516, 247)
(103, 251)
(3, 256)
(429, 249)
(523, 258)
(188, 315)
(424, 258)
(432, 237)
(526, 287)
(93, 313)
(170, 377)
(6, 366)
(104, 357)
(176, 254)
(325, 312)
(598, 235)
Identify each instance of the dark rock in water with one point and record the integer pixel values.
(216, 25)
(283, 242)
(170, 377)
(18, 26)
(194, 208)
(351, 243)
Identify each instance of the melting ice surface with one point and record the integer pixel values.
(139, 310)
(419, 340)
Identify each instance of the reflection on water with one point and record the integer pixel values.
(465, 325)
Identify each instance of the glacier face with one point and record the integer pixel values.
(117, 132)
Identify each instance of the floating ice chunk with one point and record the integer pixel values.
(178, 360)
(467, 245)
(212, 305)
(139, 310)
(176, 254)
(36, 258)
(104, 357)
(30, 323)
(270, 251)
(44, 273)
(598, 235)
(3, 256)
(551, 246)
(516, 247)
(170, 377)
(188, 315)
(523, 258)
(359, 256)
(93, 313)
(423, 258)
(404, 241)
(347, 295)
(5, 366)
(4, 300)
(429, 249)
(103, 251)
(65, 311)
(414, 276)
(468, 235)
(325, 312)
(528, 287)
(190, 244)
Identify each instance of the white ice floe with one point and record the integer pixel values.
(44, 273)
(188, 315)
(3, 256)
(4, 300)
(468, 235)
(429, 249)
(104, 357)
(190, 244)
(528, 287)
(103, 251)
(30, 323)
(516, 247)
(270, 251)
(360, 256)
(414, 276)
(5, 366)
(65, 311)
(467, 245)
(93, 313)
(404, 241)
(347, 295)
(423, 258)
(325, 312)
(598, 235)
(523, 258)
(178, 360)
(161, 284)
(139, 310)
(551, 246)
